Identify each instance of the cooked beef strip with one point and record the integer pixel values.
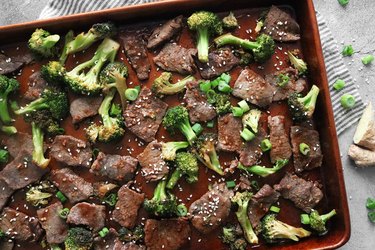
(174, 58)
(19, 226)
(18, 142)
(253, 88)
(295, 84)
(171, 234)
(314, 158)
(11, 64)
(165, 32)
(21, 171)
(196, 103)
(154, 168)
(71, 185)
(136, 52)
(36, 85)
(5, 192)
(260, 203)
(71, 151)
(304, 194)
(6, 245)
(219, 61)
(108, 242)
(208, 212)
(115, 167)
(130, 246)
(281, 26)
(144, 116)
(55, 227)
(229, 129)
(127, 206)
(251, 152)
(87, 214)
(84, 107)
(281, 148)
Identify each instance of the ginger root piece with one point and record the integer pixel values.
(365, 134)
(362, 157)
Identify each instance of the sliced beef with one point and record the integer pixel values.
(260, 203)
(127, 206)
(212, 209)
(196, 103)
(19, 142)
(304, 194)
(281, 26)
(295, 84)
(116, 167)
(314, 158)
(55, 227)
(154, 168)
(219, 61)
(108, 242)
(90, 215)
(130, 246)
(84, 107)
(71, 185)
(279, 139)
(169, 234)
(71, 151)
(11, 64)
(144, 116)
(19, 226)
(229, 129)
(5, 192)
(165, 32)
(6, 245)
(136, 52)
(36, 85)
(251, 152)
(253, 88)
(174, 58)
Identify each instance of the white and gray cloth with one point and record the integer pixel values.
(336, 69)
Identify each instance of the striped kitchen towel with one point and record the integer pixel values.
(336, 69)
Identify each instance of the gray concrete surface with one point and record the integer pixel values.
(354, 25)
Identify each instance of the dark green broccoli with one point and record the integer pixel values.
(242, 200)
(263, 48)
(40, 194)
(56, 102)
(114, 76)
(4, 156)
(135, 235)
(205, 24)
(317, 221)
(177, 118)
(186, 165)
(8, 130)
(43, 44)
(78, 238)
(232, 236)
(230, 21)
(169, 149)
(84, 40)
(113, 128)
(163, 86)
(7, 86)
(297, 63)
(263, 171)
(302, 108)
(204, 149)
(274, 230)
(221, 102)
(251, 119)
(53, 72)
(163, 203)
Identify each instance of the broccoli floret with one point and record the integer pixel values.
(114, 76)
(251, 119)
(297, 63)
(43, 44)
(177, 118)
(78, 238)
(135, 235)
(56, 102)
(317, 221)
(204, 149)
(53, 72)
(233, 238)
(163, 86)
(273, 230)
(186, 165)
(222, 103)
(230, 21)
(40, 194)
(263, 48)
(163, 203)
(205, 24)
(7, 86)
(263, 171)
(113, 128)
(84, 40)
(302, 108)
(169, 149)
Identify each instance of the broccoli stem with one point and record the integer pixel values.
(203, 44)
(120, 86)
(4, 113)
(262, 170)
(37, 104)
(215, 162)
(233, 40)
(8, 130)
(309, 100)
(327, 216)
(159, 192)
(68, 38)
(104, 108)
(176, 175)
(38, 152)
(189, 133)
(245, 223)
(50, 41)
